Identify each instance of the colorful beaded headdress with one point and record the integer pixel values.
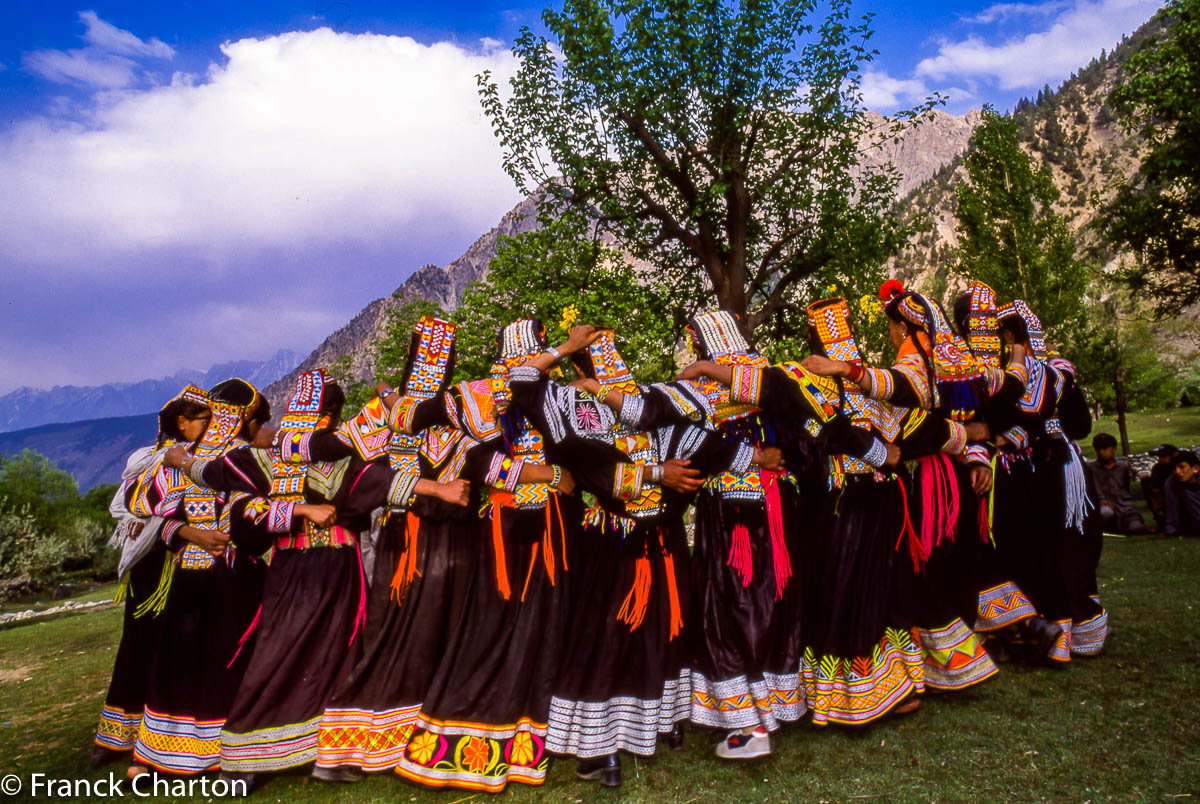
(518, 342)
(1037, 340)
(301, 418)
(716, 337)
(954, 370)
(608, 365)
(190, 393)
(431, 362)
(227, 419)
(830, 318)
(983, 324)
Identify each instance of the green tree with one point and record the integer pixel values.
(563, 274)
(719, 142)
(1120, 360)
(30, 481)
(1009, 234)
(1156, 214)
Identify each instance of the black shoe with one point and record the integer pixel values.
(675, 737)
(606, 768)
(338, 773)
(103, 756)
(232, 778)
(1043, 635)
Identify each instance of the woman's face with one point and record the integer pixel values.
(897, 332)
(192, 427)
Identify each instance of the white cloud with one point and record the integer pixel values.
(883, 93)
(1076, 35)
(109, 38)
(299, 138)
(109, 61)
(1004, 11)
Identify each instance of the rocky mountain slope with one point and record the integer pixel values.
(30, 407)
(918, 155)
(92, 451)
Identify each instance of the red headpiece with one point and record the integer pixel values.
(891, 289)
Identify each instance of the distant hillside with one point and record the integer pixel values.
(30, 407)
(93, 451)
(1074, 131)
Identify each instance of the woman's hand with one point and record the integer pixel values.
(323, 515)
(175, 457)
(566, 483)
(588, 385)
(695, 371)
(824, 367)
(680, 477)
(456, 492)
(580, 337)
(977, 431)
(211, 541)
(981, 479)
(893, 455)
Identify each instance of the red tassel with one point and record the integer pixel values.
(529, 574)
(739, 554)
(781, 559)
(406, 567)
(246, 636)
(985, 526)
(360, 617)
(498, 547)
(672, 594)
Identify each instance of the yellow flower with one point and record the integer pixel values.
(569, 314)
(871, 307)
(475, 754)
(831, 289)
(521, 752)
(421, 749)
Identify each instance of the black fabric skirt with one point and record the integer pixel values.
(943, 596)
(369, 721)
(308, 640)
(198, 664)
(482, 723)
(861, 657)
(748, 592)
(622, 679)
(1005, 562)
(121, 715)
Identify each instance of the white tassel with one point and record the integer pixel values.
(1077, 499)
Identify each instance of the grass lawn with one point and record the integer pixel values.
(1178, 426)
(1122, 726)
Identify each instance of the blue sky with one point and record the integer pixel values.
(188, 182)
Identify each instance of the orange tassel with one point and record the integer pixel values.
(406, 567)
(498, 546)
(673, 594)
(561, 530)
(548, 544)
(529, 574)
(633, 609)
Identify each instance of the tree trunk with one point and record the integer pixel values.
(1122, 405)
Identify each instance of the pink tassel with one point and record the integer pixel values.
(939, 503)
(985, 526)
(360, 617)
(739, 554)
(246, 636)
(779, 551)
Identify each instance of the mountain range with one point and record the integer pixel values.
(31, 407)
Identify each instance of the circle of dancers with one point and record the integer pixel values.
(470, 576)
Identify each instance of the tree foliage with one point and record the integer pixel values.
(562, 274)
(719, 142)
(1009, 234)
(1156, 215)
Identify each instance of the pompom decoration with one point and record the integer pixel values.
(891, 289)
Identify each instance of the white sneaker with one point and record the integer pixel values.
(745, 746)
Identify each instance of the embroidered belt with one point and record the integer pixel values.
(313, 536)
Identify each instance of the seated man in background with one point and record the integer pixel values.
(1183, 496)
(1153, 484)
(1112, 478)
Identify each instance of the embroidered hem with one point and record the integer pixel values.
(854, 692)
(954, 657)
(118, 729)
(368, 739)
(1002, 606)
(1088, 637)
(178, 744)
(737, 703)
(271, 749)
(586, 729)
(475, 756)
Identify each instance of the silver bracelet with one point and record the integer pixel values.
(654, 472)
(551, 350)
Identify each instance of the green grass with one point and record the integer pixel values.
(1121, 726)
(1148, 429)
